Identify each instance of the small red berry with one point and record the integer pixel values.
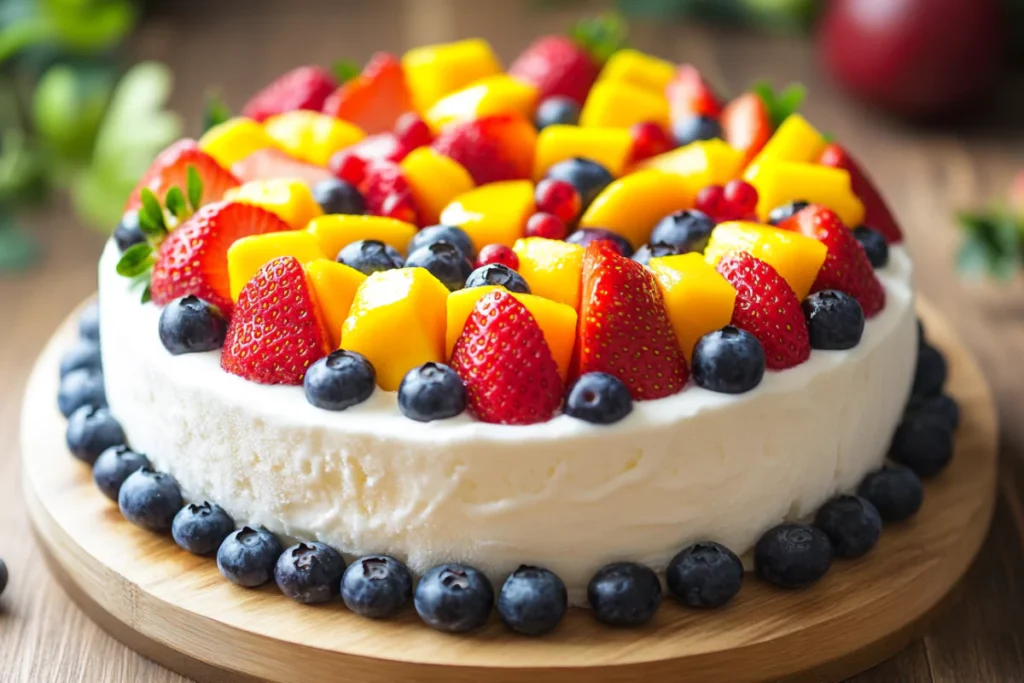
(558, 198)
(497, 253)
(412, 131)
(545, 225)
(348, 166)
(399, 205)
(711, 201)
(649, 139)
(741, 196)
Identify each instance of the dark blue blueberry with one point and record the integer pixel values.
(128, 233)
(431, 392)
(835, 321)
(247, 557)
(654, 250)
(497, 274)
(533, 601)
(115, 465)
(852, 525)
(91, 431)
(454, 598)
(924, 443)
(89, 322)
(942, 406)
(81, 388)
(337, 196)
(339, 381)
(694, 128)
(85, 355)
(729, 361)
(624, 594)
(687, 230)
(788, 210)
(370, 256)
(588, 177)
(191, 325)
(792, 555)
(200, 528)
(599, 398)
(3, 576)
(310, 573)
(556, 110)
(150, 499)
(930, 373)
(895, 491)
(443, 233)
(874, 245)
(584, 236)
(705, 575)
(445, 261)
(376, 586)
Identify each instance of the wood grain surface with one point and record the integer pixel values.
(927, 173)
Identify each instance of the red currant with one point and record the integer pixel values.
(546, 225)
(711, 201)
(741, 196)
(348, 166)
(399, 205)
(497, 253)
(412, 131)
(649, 139)
(558, 198)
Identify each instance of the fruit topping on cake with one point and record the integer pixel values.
(171, 169)
(306, 87)
(374, 99)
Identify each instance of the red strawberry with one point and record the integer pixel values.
(688, 95)
(876, 212)
(276, 332)
(492, 148)
(502, 357)
(385, 179)
(170, 169)
(193, 259)
(306, 87)
(846, 266)
(623, 327)
(746, 124)
(767, 308)
(375, 98)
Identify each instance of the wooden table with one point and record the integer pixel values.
(979, 634)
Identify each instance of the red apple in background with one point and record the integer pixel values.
(913, 57)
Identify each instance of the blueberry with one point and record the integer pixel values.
(150, 499)
(584, 236)
(556, 110)
(85, 355)
(924, 443)
(191, 325)
(337, 196)
(788, 210)
(81, 388)
(310, 573)
(3, 576)
(624, 594)
(454, 598)
(533, 601)
(874, 245)
(599, 398)
(370, 256)
(792, 555)
(445, 261)
(89, 322)
(430, 392)
(895, 491)
(654, 250)
(588, 177)
(729, 361)
(443, 233)
(930, 373)
(704, 575)
(852, 525)
(376, 586)
(91, 431)
(128, 233)
(687, 230)
(694, 128)
(200, 528)
(247, 557)
(115, 465)
(339, 381)
(941, 406)
(835, 321)
(500, 275)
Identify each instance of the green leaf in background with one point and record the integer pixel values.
(18, 250)
(175, 203)
(22, 170)
(601, 36)
(89, 26)
(345, 70)
(993, 244)
(215, 110)
(68, 106)
(194, 187)
(135, 261)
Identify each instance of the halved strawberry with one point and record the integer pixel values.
(492, 148)
(276, 332)
(170, 169)
(375, 98)
(510, 375)
(269, 163)
(876, 212)
(767, 308)
(193, 259)
(306, 87)
(747, 124)
(689, 94)
(623, 327)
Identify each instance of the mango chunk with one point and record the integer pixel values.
(397, 320)
(794, 140)
(311, 136)
(779, 182)
(497, 94)
(233, 140)
(632, 205)
(434, 180)
(610, 147)
(433, 71)
(697, 298)
(492, 214)
(247, 255)
(701, 163)
(552, 268)
(334, 285)
(288, 198)
(614, 104)
(334, 232)
(635, 67)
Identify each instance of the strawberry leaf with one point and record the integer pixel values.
(136, 260)
(147, 294)
(175, 203)
(601, 36)
(215, 110)
(151, 215)
(345, 70)
(780, 105)
(194, 187)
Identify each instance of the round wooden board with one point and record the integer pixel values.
(177, 609)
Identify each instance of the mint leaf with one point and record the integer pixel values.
(194, 187)
(345, 70)
(215, 110)
(136, 260)
(175, 203)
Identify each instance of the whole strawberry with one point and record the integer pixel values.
(876, 212)
(306, 87)
(492, 148)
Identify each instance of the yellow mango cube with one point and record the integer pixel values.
(615, 104)
(334, 285)
(311, 136)
(288, 198)
(701, 163)
(233, 140)
(552, 268)
(794, 140)
(632, 66)
(698, 299)
(434, 180)
(247, 255)
(779, 182)
(497, 94)
(334, 232)
(632, 205)
(433, 71)
(397, 320)
(492, 214)
(610, 147)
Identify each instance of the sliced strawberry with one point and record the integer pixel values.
(846, 265)
(623, 327)
(689, 94)
(170, 169)
(747, 124)
(492, 148)
(379, 147)
(767, 308)
(306, 87)
(876, 212)
(269, 163)
(276, 332)
(510, 375)
(193, 259)
(375, 98)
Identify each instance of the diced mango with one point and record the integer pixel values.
(613, 104)
(701, 163)
(610, 147)
(556, 320)
(336, 231)
(233, 140)
(334, 285)
(552, 268)
(435, 180)
(794, 140)
(492, 214)
(289, 198)
(247, 255)
(697, 298)
(632, 205)
(433, 71)
(311, 136)
(779, 182)
(632, 66)
(397, 321)
(497, 94)
(797, 258)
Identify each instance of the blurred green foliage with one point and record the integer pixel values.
(767, 15)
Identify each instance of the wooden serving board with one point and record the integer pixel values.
(178, 610)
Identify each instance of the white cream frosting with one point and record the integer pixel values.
(564, 494)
